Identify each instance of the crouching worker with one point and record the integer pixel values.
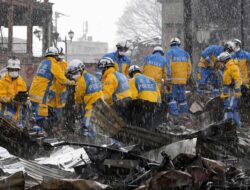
(231, 87)
(13, 93)
(145, 95)
(88, 90)
(115, 86)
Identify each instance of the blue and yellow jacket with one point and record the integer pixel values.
(8, 89)
(144, 88)
(88, 90)
(122, 63)
(243, 59)
(180, 65)
(209, 56)
(231, 78)
(57, 92)
(48, 70)
(155, 67)
(115, 86)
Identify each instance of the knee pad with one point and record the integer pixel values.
(173, 108)
(183, 107)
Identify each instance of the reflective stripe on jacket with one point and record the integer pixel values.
(243, 59)
(57, 92)
(8, 89)
(209, 55)
(88, 90)
(122, 63)
(155, 67)
(48, 70)
(144, 88)
(231, 78)
(115, 86)
(180, 65)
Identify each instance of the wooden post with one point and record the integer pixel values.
(10, 25)
(29, 30)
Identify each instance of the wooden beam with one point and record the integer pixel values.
(29, 29)
(10, 25)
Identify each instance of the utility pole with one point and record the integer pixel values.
(56, 34)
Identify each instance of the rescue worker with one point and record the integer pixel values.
(121, 61)
(49, 71)
(154, 66)
(207, 74)
(145, 95)
(88, 91)
(180, 67)
(243, 58)
(11, 85)
(231, 87)
(143, 87)
(115, 86)
(57, 93)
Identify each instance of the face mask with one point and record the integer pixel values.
(14, 74)
(121, 53)
(61, 57)
(75, 77)
(237, 49)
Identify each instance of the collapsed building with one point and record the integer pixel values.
(28, 13)
(163, 157)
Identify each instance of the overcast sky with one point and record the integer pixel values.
(100, 14)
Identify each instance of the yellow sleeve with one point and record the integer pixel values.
(133, 88)
(3, 92)
(189, 68)
(109, 86)
(58, 73)
(80, 91)
(126, 70)
(165, 77)
(158, 94)
(235, 73)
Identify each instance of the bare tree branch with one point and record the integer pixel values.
(140, 19)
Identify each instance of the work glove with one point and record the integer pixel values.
(70, 83)
(237, 93)
(28, 104)
(5, 99)
(21, 97)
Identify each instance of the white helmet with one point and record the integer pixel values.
(13, 64)
(229, 46)
(105, 62)
(158, 48)
(238, 45)
(60, 51)
(51, 51)
(224, 56)
(175, 41)
(74, 66)
(132, 69)
(237, 42)
(122, 46)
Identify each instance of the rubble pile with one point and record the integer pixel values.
(167, 156)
